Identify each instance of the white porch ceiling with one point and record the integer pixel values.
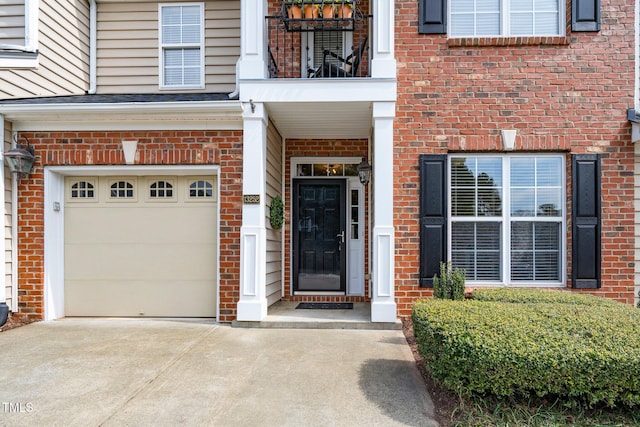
(322, 120)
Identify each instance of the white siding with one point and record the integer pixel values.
(127, 58)
(12, 22)
(274, 237)
(8, 243)
(63, 34)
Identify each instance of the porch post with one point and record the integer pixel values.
(383, 305)
(252, 39)
(383, 64)
(253, 241)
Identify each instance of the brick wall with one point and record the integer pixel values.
(223, 148)
(569, 95)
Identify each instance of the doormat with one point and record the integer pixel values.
(325, 305)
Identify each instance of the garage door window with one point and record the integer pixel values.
(83, 190)
(122, 190)
(201, 190)
(161, 190)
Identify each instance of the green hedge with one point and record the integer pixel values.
(529, 295)
(584, 354)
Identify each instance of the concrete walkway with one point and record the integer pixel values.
(91, 372)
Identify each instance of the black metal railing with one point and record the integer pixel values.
(323, 43)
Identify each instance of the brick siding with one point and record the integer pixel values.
(222, 148)
(564, 96)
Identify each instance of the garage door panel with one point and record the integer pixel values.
(138, 298)
(140, 262)
(152, 257)
(130, 225)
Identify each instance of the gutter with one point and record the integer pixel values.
(93, 34)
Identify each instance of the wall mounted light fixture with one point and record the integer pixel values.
(364, 171)
(21, 159)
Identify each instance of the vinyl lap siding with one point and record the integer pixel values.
(12, 22)
(8, 229)
(274, 237)
(128, 57)
(63, 42)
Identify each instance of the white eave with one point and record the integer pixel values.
(191, 115)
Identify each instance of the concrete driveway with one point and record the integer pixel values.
(90, 372)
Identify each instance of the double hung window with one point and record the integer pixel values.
(18, 34)
(507, 218)
(488, 18)
(182, 46)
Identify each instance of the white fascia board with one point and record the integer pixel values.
(318, 90)
(211, 115)
(132, 124)
(212, 107)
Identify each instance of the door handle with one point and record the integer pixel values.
(341, 236)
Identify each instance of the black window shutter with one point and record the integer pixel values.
(586, 221)
(433, 216)
(432, 17)
(585, 15)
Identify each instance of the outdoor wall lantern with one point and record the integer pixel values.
(364, 171)
(21, 159)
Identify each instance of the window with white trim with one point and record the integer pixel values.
(507, 217)
(487, 18)
(181, 45)
(19, 34)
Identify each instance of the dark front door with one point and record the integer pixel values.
(319, 235)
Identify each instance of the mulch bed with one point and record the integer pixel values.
(444, 401)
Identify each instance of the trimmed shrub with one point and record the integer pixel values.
(450, 283)
(584, 354)
(530, 296)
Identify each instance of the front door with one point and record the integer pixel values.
(319, 236)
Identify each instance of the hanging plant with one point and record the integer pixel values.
(276, 213)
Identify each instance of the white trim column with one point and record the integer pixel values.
(253, 38)
(383, 64)
(253, 236)
(383, 304)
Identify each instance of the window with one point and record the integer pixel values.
(478, 18)
(181, 46)
(121, 190)
(161, 190)
(82, 190)
(19, 34)
(506, 218)
(200, 189)
(505, 17)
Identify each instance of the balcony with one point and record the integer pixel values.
(323, 41)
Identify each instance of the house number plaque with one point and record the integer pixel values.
(251, 199)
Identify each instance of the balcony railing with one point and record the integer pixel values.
(324, 43)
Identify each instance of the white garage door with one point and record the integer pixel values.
(140, 246)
